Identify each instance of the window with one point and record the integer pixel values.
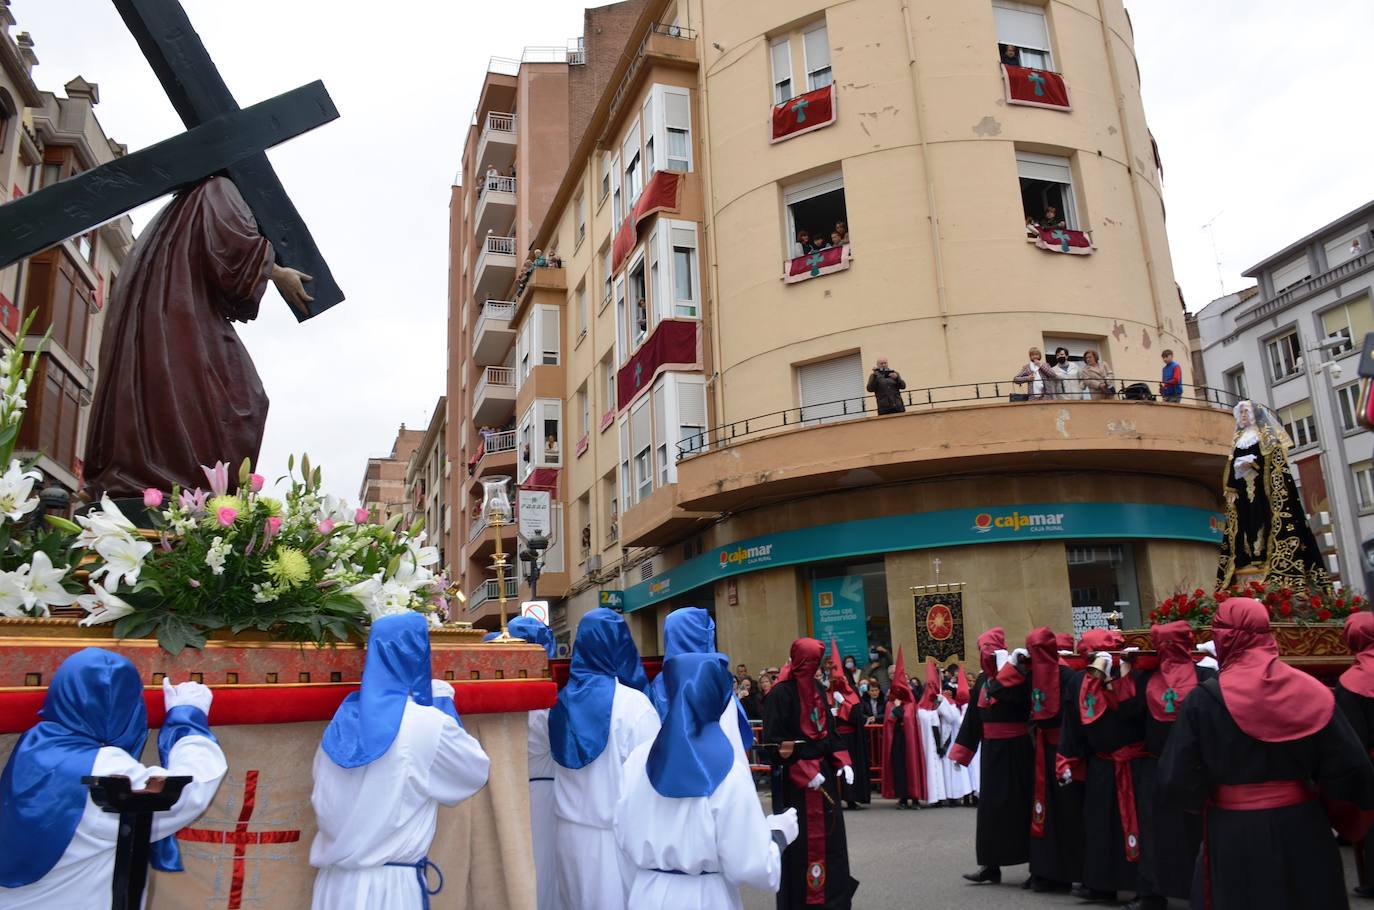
(662, 459)
(1342, 249)
(550, 425)
(1349, 398)
(630, 153)
(1364, 483)
(608, 383)
(1103, 574)
(684, 241)
(1235, 383)
(612, 504)
(816, 48)
(58, 293)
(581, 209)
(622, 343)
(1295, 272)
(604, 167)
(1022, 34)
(626, 485)
(827, 388)
(584, 407)
(1299, 423)
(85, 245)
(815, 206)
(650, 162)
(641, 440)
(655, 289)
(1349, 321)
(522, 353)
(617, 200)
(781, 52)
(1284, 353)
(607, 277)
(581, 309)
(51, 174)
(638, 306)
(691, 414)
(1047, 190)
(677, 119)
(549, 336)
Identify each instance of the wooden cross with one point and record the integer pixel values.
(220, 138)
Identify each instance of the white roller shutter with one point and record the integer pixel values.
(1021, 24)
(1034, 166)
(1288, 275)
(825, 386)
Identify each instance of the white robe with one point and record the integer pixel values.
(973, 766)
(384, 812)
(957, 783)
(590, 874)
(83, 878)
(722, 841)
(927, 723)
(543, 821)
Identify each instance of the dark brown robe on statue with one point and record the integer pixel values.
(177, 388)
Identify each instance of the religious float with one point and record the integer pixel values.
(1268, 553)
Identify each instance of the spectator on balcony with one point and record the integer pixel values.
(886, 384)
(1052, 219)
(1171, 380)
(1096, 377)
(1065, 375)
(1356, 249)
(1038, 375)
(551, 446)
(803, 245)
(539, 260)
(1011, 55)
(837, 239)
(842, 228)
(493, 178)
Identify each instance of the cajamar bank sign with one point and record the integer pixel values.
(739, 557)
(1032, 522)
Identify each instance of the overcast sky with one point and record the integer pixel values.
(1261, 111)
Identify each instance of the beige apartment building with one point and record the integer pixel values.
(697, 377)
(383, 491)
(426, 479)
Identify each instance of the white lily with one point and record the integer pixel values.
(15, 599)
(101, 523)
(45, 582)
(102, 606)
(16, 489)
(123, 557)
(382, 598)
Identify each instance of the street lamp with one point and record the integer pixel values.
(497, 511)
(534, 555)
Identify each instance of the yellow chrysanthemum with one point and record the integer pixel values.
(288, 566)
(272, 506)
(225, 502)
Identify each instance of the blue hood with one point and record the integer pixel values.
(691, 630)
(691, 754)
(580, 722)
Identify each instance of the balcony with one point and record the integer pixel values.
(495, 267)
(495, 204)
(495, 455)
(1304, 289)
(496, 147)
(493, 335)
(658, 520)
(951, 430)
(493, 402)
(488, 592)
(482, 544)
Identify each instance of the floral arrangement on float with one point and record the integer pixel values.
(1285, 604)
(306, 567)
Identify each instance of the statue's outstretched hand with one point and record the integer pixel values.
(291, 285)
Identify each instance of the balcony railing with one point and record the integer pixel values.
(1306, 288)
(496, 443)
(938, 398)
(494, 311)
(495, 378)
(500, 245)
(500, 123)
(489, 590)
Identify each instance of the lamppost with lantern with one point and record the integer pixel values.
(496, 509)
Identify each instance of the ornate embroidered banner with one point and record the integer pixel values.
(1037, 88)
(804, 113)
(940, 626)
(821, 262)
(1061, 240)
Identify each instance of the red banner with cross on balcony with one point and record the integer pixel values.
(675, 344)
(817, 263)
(1062, 240)
(804, 113)
(1037, 88)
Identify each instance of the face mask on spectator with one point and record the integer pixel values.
(863, 688)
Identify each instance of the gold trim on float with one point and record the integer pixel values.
(220, 644)
(456, 682)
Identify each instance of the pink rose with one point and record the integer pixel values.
(152, 499)
(257, 482)
(326, 526)
(227, 516)
(360, 517)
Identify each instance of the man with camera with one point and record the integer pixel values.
(886, 384)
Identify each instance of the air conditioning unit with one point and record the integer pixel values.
(593, 563)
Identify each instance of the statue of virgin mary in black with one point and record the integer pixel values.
(1266, 525)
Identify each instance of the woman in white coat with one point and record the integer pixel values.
(689, 823)
(394, 751)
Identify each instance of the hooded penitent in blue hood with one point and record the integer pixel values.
(95, 699)
(691, 754)
(397, 667)
(527, 628)
(691, 630)
(580, 722)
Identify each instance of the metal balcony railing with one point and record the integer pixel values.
(489, 590)
(499, 184)
(495, 378)
(494, 311)
(502, 245)
(938, 398)
(500, 123)
(496, 443)
(1305, 288)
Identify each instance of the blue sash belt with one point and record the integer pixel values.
(421, 876)
(680, 872)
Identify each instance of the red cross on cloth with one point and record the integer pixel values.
(241, 838)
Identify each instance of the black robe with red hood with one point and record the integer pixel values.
(1006, 765)
(1056, 832)
(1355, 698)
(815, 867)
(1263, 726)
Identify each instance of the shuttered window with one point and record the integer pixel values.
(825, 388)
(781, 51)
(549, 336)
(691, 415)
(816, 47)
(1349, 321)
(1023, 26)
(1294, 272)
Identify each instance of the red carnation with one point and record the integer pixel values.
(1199, 592)
(1286, 608)
(1323, 615)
